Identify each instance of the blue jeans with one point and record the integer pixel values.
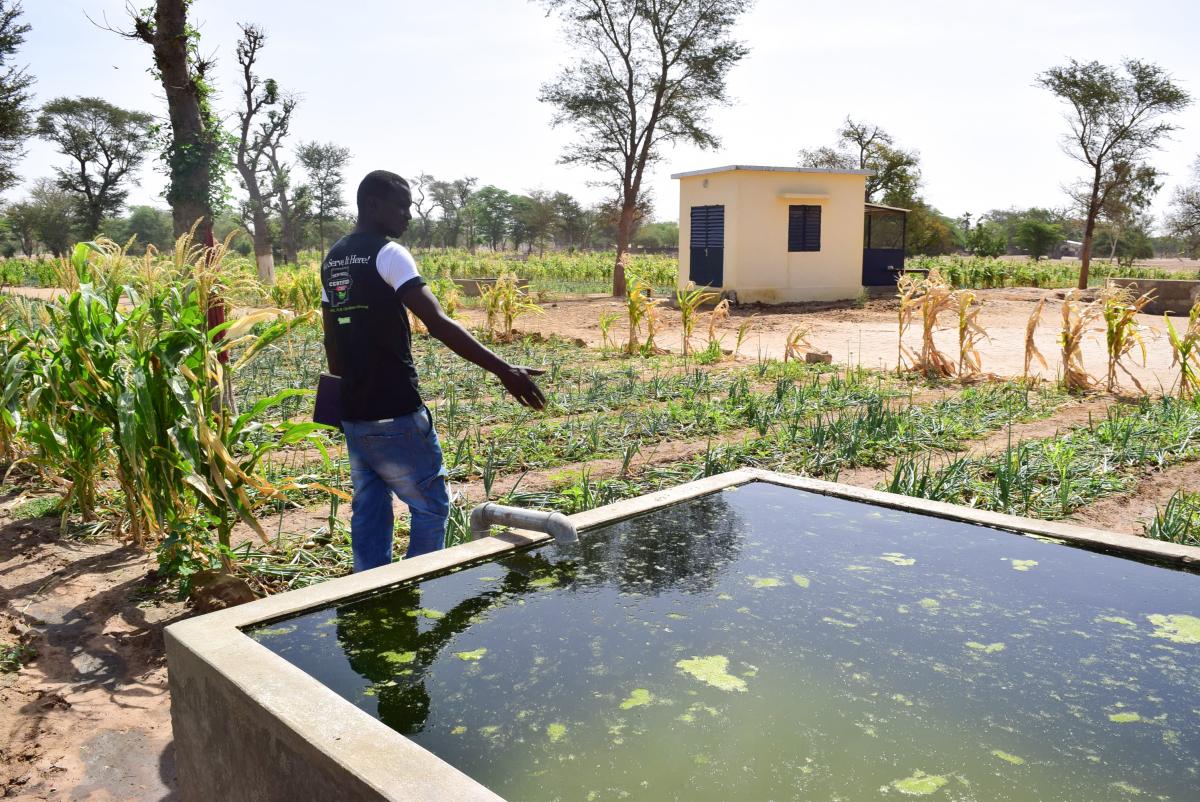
(402, 456)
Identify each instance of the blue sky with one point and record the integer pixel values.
(450, 88)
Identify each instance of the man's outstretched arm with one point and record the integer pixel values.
(517, 380)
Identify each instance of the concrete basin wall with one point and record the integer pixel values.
(251, 726)
(1171, 296)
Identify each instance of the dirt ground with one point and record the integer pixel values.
(89, 717)
(867, 335)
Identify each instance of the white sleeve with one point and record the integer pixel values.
(396, 265)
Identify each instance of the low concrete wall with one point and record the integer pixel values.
(251, 726)
(473, 287)
(1171, 296)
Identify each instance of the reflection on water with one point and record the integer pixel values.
(767, 643)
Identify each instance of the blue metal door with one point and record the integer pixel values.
(708, 246)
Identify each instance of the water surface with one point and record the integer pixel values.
(765, 643)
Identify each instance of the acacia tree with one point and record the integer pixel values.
(16, 100)
(324, 162)
(1183, 220)
(52, 213)
(647, 74)
(864, 146)
(423, 205)
(22, 219)
(1115, 121)
(105, 144)
(262, 104)
(195, 150)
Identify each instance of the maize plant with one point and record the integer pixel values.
(1031, 349)
(1075, 322)
(1122, 332)
(690, 299)
(718, 315)
(969, 333)
(606, 321)
(1185, 352)
(796, 344)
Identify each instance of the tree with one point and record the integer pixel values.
(647, 73)
(538, 216)
(423, 205)
(492, 210)
(324, 163)
(1183, 220)
(928, 231)
(196, 149)
(988, 238)
(16, 110)
(658, 235)
(863, 146)
(1124, 206)
(22, 220)
(1038, 238)
(262, 104)
(151, 226)
(1115, 121)
(293, 205)
(105, 144)
(53, 213)
(451, 199)
(573, 223)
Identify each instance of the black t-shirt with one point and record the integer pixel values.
(362, 280)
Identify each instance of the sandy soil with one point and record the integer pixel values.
(89, 718)
(867, 335)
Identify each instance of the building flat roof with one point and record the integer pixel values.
(753, 168)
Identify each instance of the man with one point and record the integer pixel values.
(367, 283)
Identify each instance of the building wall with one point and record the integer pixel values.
(758, 266)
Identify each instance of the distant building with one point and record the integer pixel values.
(786, 234)
(1069, 248)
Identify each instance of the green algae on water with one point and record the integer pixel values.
(1023, 565)
(425, 612)
(764, 581)
(1133, 790)
(920, 784)
(896, 558)
(398, 658)
(800, 580)
(275, 632)
(544, 582)
(556, 731)
(712, 670)
(1124, 718)
(459, 730)
(637, 698)
(476, 654)
(1009, 758)
(1176, 628)
(930, 604)
(986, 648)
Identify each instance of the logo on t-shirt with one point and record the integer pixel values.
(339, 281)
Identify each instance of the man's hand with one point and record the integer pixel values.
(519, 382)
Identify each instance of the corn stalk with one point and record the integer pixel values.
(1031, 349)
(690, 299)
(1075, 322)
(1185, 352)
(969, 333)
(1122, 332)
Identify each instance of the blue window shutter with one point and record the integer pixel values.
(804, 228)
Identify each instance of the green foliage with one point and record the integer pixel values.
(16, 95)
(987, 239)
(658, 235)
(324, 162)
(1179, 521)
(1037, 238)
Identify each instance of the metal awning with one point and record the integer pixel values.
(879, 208)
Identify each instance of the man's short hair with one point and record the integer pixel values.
(380, 185)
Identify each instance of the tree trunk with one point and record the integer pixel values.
(191, 151)
(624, 227)
(287, 229)
(1089, 232)
(263, 256)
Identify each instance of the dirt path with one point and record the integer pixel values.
(89, 717)
(1130, 512)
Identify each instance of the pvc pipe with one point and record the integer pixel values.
(553, 523)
